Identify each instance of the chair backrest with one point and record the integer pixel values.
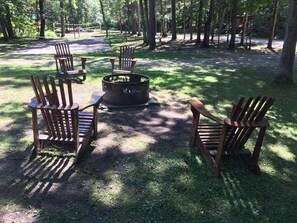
(61, 122)
(250, 111)
(126, 55)
(63, 51)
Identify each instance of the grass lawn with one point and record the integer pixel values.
(140, 169)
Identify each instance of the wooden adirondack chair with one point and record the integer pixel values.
(229, 136)
(126, 61)
(64, 120)
(64, 63)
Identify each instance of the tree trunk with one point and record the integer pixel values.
(138, 19)
(199, 22)
(233, 25)
(205, 42)
(128, 17)
(173, 18)
(152, 25)
(163, 20)
(273, 24)
(184, 19)
(62, 16)
(3, 28)
(104, 19)
(146, 14)
(285, 74)
(245, 22)
(42, 20)
(221, 18)
(8, 22)
(133, 12)
(144, 27)
(191, 20)
(213, 27)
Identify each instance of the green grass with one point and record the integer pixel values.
(160, 181)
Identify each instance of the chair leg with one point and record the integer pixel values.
(37, 146)
(95, 128)
(253, 166)
(194, 130)
(33, 153)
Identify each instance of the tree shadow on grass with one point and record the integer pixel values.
(140, 170)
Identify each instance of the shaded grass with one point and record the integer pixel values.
(161, 181)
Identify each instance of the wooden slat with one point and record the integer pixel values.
(251, 109)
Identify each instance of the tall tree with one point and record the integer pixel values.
(146, 17)
(128, 16)
(3, 24)
(191, 19)
(62, 16)
(104, 18)
(42, 19)
(8, 22)
(133, 9)
(245, 22)
(138, 19)
(163, 19)
(273, 24)
(233, 24)
(199, 22)
(285, 74)
(152, 34)
(173, 19)
(221, 16)
(184, 19)
(205, 42)
(144, 24)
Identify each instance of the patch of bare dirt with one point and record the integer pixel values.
(20, 217)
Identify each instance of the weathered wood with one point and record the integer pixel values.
(229, 137)
(126, 61)
(64, 63)
(64, 120)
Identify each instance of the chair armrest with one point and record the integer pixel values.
(112, 60)
(255, 124)
(133, 62)
(83, 62)
(34, 104)
(199, 107)
(96, 98)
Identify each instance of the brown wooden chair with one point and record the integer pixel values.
(126, 61)
(64, 120)
(229, 136)
(64, 63)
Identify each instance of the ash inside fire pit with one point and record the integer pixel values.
(125, 89)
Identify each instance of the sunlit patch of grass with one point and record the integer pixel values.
(134, 144)
(283, 152)
(5, 122)
(210, 79)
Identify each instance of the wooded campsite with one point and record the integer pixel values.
(148, 111)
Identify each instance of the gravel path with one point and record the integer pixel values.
(78, 45)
